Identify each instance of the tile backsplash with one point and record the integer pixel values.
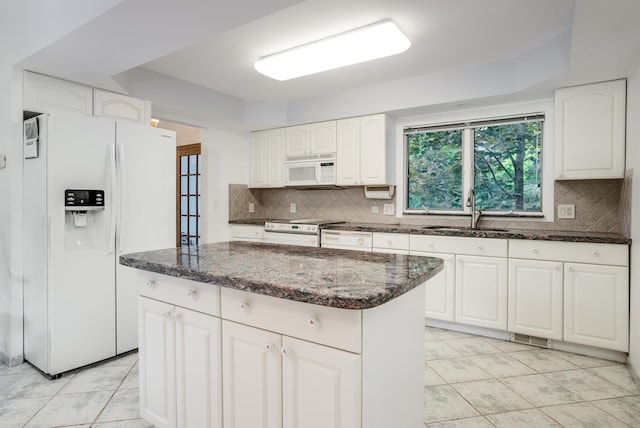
(599, 207)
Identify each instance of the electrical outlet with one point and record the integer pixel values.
(292, 207)
(252, 207)
(388, 209)
(566, 211)
(374, 209)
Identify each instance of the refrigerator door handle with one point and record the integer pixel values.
(121, 196)
(112, 174)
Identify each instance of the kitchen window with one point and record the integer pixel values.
(499, 159)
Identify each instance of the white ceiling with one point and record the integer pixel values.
(528, 46)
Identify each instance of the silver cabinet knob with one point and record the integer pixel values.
(268, 347)
(193, 294)
(244, 306)
(151, 283)
(285, 351)
(313, 322)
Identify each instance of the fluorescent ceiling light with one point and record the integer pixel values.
(359, 45)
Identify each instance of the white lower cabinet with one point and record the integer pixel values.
(596, 305)
(320, 386)
(255, 361)
(577, 292)
(440, 290)
(252, 377)
(179, 358)
(535, 298)
(481, 291)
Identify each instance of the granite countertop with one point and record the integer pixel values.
(531, 234)
(337, 278)
(545, 235)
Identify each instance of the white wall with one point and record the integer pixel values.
(225, 153)
(11, 217)
(633, 162)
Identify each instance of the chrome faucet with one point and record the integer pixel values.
(475, 214)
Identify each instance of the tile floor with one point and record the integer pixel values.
(104, 395)
(473, 381)
(470, 381)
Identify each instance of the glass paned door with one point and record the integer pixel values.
(189, 199)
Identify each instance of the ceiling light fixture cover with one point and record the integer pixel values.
(362, 44)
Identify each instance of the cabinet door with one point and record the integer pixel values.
(481, 291)
(535, 298)
(296, 142)
(373, 154)
(596, 305)
(121, 107)
(321, 386)
(44, 93)
(257, 162)
(156, 355)
(252, 377)
(440, 289)
(198, 369)
(590, 131)
(275, 158)
(348, 151)
(322, 137)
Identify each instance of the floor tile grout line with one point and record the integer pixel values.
(95, 420)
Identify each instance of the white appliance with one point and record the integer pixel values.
(95, 189)
(318, 170)
(302, 232)
(347, 240)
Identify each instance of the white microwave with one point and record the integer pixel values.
(310, 172)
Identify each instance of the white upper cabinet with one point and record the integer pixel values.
(348, 151)
(364, 151)
(266, 158)
(322, 137)
(310, 139)
(275, 158)
(121, 107)
(296, 140)
(590, 131)
(44, 93)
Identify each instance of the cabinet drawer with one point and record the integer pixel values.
(339, 328)
(578, 252)
(189, 294)
(247, 232)
(459, 245)
(391, 241)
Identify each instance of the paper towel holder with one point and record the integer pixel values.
(379, 192)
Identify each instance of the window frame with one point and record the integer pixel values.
(480, 116)
(186, 151)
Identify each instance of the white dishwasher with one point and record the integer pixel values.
(346, 240)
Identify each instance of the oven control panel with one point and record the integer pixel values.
(291, 228)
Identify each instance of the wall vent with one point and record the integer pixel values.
(531, 340)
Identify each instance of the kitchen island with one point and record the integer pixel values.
(250, 335)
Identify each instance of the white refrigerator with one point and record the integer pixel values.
(80, 304)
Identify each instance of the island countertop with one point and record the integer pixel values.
(336, 278)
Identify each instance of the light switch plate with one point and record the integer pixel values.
(252, 207)
(388, 209)
(292, 207)
(566, 211)
(374, 209)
